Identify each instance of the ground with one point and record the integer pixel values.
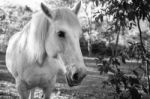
(90, 88)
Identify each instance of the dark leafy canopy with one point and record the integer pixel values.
(125, 11)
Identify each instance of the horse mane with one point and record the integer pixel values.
(33, 37)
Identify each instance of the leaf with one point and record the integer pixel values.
(2, 17)
(2, 14)
(101, 18)
(97, 2)
(115, 62)
(144, 89)
(130, 42)
(123, 59)
(135, 73)
(146, 97)
(135, 94)
(104, 84)
(102, 2)
(125, 5)
(133, 81)
(118, 90)
(125, 95)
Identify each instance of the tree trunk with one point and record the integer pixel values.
(89, 33)
(141, 40)
(144, 54)
(89, 47)
(116, 46)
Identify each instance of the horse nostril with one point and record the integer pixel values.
(76, 76)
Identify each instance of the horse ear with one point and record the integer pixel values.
(46, 10)
(76, 8)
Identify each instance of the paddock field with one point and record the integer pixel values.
(90, 88)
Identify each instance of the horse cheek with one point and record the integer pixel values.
(51, 48)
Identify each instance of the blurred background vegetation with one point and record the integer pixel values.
(114, 31)
(98, 26)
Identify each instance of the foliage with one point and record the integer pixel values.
(124, 11)
(98, 48)
(10, 23)
(125, 86)
(10, 19)
(101, 49)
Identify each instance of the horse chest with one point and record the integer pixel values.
(38, 76)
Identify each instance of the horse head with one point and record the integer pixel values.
(62, 42)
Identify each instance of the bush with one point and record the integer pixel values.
(83, 45)
(99, 48)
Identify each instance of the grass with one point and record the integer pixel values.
(90, 88)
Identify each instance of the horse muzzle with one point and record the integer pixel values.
(75, 77)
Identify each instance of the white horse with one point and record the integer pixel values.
(48, 44)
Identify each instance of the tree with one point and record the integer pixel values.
(127, 13)
(88, 15)
(87, 23)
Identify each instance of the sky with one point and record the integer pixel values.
(34, 4)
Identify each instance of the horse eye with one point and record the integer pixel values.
(61, 34)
